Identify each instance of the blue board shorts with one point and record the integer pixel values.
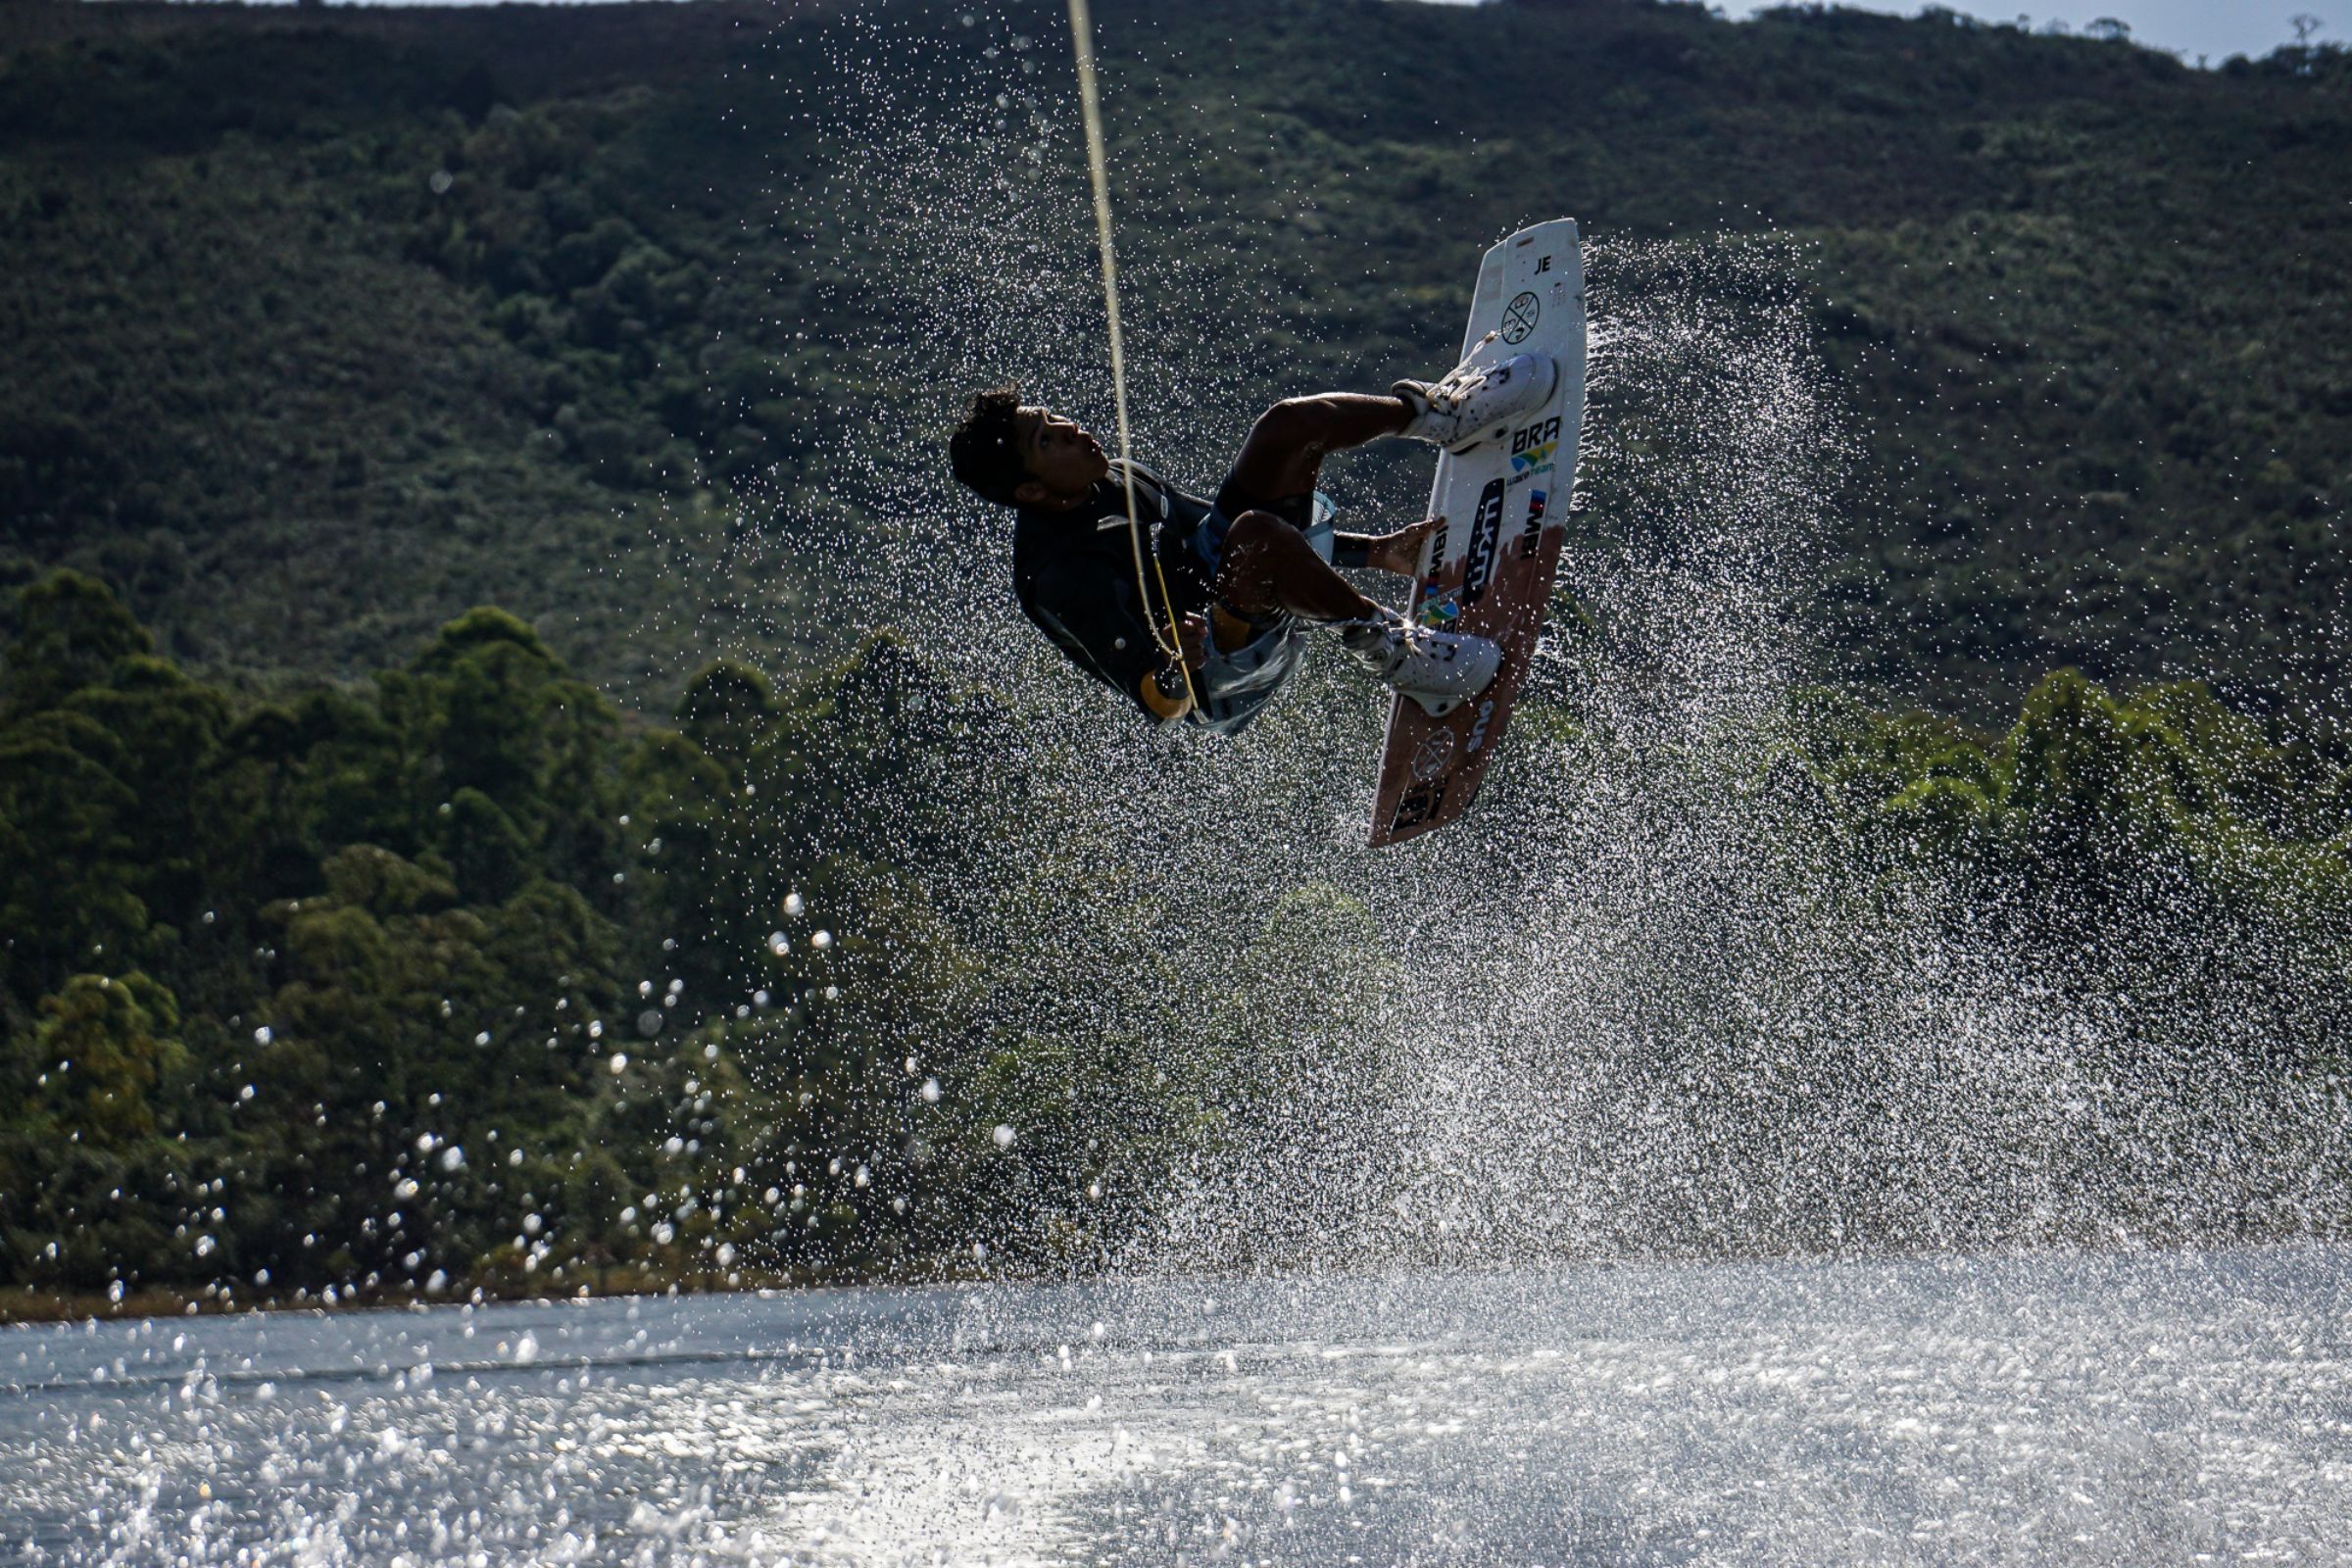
(1235, 684)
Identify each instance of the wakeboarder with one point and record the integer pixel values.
(1198, 611)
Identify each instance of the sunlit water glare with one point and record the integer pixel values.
(2080, 1409)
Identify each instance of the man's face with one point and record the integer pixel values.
(1063, 461)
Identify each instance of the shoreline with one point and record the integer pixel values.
(30, 1307)
(33, 1306)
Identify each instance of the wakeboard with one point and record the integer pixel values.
(1488, 569)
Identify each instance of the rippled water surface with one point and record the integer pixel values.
(2138, 1409)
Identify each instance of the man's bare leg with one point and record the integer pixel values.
(1287, 446)
(1269, 566)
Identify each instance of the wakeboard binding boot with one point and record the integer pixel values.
(1437, 670)
(1474, 402)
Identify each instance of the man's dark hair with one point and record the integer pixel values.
(986, 449)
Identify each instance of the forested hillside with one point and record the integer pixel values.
(324, 326)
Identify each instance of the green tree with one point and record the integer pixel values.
(71, 632)
(98, 1056)
(85, 1182)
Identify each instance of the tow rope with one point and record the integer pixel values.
(1082, 44)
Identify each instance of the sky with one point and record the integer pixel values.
(2215, 28)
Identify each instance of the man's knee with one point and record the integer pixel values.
(1256, 544)
(1296, 422)
(1258, 535)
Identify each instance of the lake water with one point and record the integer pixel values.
(2131, 1409)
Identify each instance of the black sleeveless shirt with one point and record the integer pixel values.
(1074, 574)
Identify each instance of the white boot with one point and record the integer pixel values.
(1437, 670)
(1475, 402)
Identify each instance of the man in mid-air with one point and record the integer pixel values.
(1247, 574)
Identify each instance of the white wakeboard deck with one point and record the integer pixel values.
(1505, 504)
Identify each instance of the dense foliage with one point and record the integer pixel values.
(418, 979)
(2160, 834)
(456, 977)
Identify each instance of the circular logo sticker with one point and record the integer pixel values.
(1519, 318)
(1432, 753)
